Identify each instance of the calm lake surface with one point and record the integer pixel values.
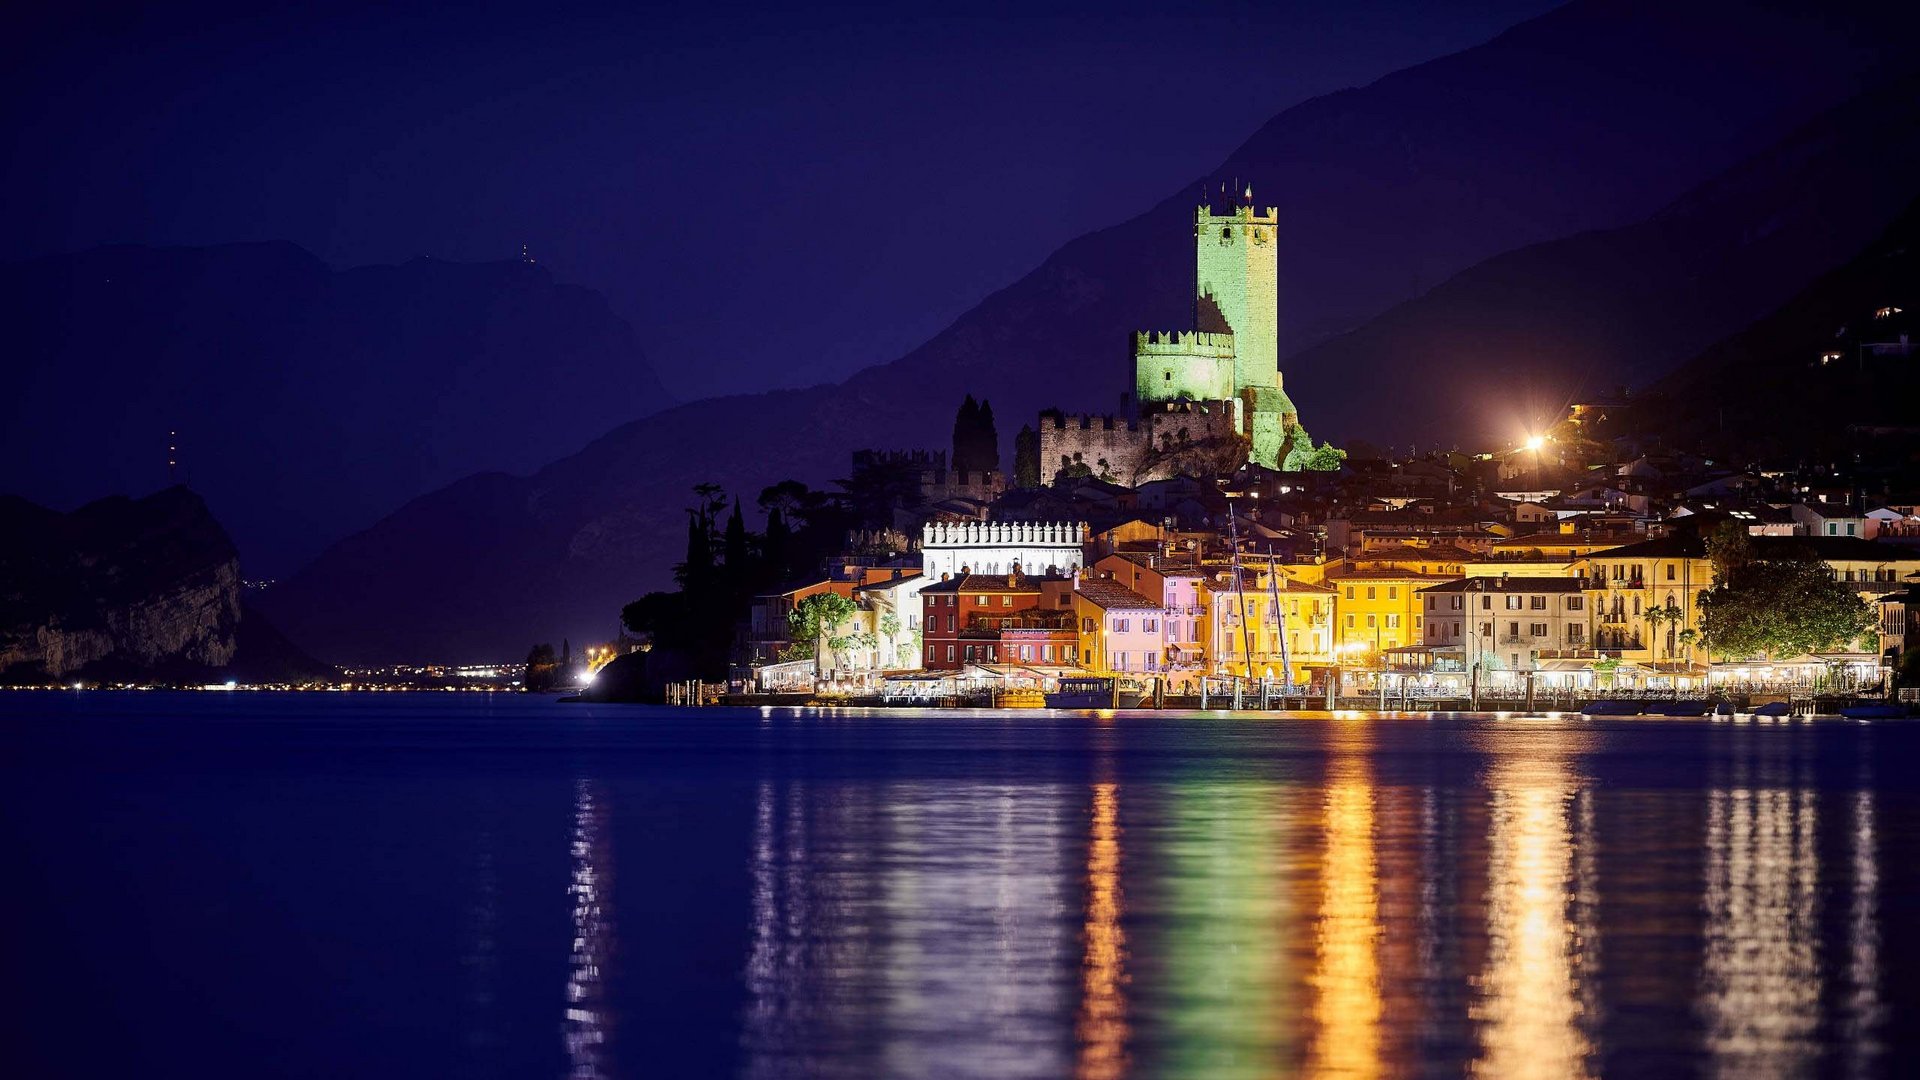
(465, 885)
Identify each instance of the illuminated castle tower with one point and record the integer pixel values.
(1234, 352)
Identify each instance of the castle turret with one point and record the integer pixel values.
(1236, 288)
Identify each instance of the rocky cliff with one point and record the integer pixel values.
(118, 588)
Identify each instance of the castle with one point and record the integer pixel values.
(1204, 392)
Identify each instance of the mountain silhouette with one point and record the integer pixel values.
(307, 401)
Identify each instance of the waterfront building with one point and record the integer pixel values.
(1245, 626)
(1378, 602)
(1173, 582)
(985, 619)
(890, 611)
(1507, 623)
(1119, 629)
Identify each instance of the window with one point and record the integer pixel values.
(1152, 659)
(1151, 626)
(1026, 652)
(1513, 603)
(1416, 622)
(970, 654)
(1006, 600)
(1429, 603)
(1393, 592)
(949, 626)
(1349, 622)
(1120, 626)
(1669, 571)
(1538, 629)
(1393, 622)
(1636, 605)
(1349, 592)
(949, 654)
(1576, 632)
(1373, 620)
(930, 651)
(1513, 629)
(1120, 662)
(1537, 603)
(1576, 603)
(1486, 603)
(979, 601)
(1371, 591)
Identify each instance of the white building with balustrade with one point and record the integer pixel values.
(1001, 547)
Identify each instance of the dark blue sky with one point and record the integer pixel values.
(771, 196)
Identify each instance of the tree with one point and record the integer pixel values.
(986, 450)
(813, 622)
(1026, 458)
(543, 669)
(890, 630)
(1776, 607)
(966, 427)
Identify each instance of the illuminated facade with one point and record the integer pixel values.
(1221, 378)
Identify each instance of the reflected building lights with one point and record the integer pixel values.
(586, 1025)
(1761, 976)
(1529, 1009)
(1865, 1013)
(1101, 1027)
(1346, 977)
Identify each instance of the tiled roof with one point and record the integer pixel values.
(1110, 596)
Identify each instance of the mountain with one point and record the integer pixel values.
(1593, 116)
(1502, 347)
(307, 401)
(129, 585)
(1843, 352)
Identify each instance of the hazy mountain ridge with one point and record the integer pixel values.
(1504, 345)
(1399, 183)
(246, 349)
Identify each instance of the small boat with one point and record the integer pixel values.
(1023, 699)
(1610, 707)
(1773, 708)
(1093, 692)
(1883, 711)
(1680, 707)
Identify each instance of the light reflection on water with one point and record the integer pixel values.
(954, 896)
(1317, 920)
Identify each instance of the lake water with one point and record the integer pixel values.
(337, 885)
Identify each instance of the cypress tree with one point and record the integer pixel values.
(1026, 458)
(986, 449)
(966, 424)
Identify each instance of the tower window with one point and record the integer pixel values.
(1169, 376)
(1226, 233)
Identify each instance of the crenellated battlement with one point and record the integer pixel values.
(1090, 422)
(1182, 343)
(1204, 216)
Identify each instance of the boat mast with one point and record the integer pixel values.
(1279, 617)
(1239, 595)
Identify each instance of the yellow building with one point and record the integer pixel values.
(1246, 627)
(1377, 601)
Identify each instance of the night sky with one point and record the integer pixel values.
(770, 197)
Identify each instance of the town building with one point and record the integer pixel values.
(986, 619)
(953, 548)
(1507, 623)
(1266, 623)
(1119, 629)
